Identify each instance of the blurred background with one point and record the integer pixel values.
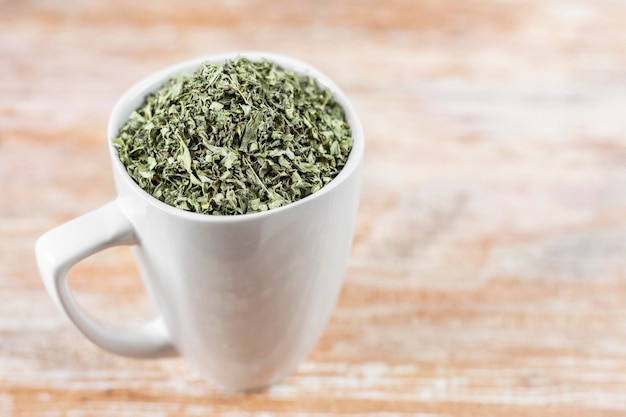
(488, 272)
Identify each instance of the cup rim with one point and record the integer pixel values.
(133, 97)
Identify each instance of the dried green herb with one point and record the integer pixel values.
(235, 138)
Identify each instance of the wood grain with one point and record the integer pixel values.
(488, 274)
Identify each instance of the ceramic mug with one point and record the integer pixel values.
(243, 298)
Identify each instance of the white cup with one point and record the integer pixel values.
(243, 298)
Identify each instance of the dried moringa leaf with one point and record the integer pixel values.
(236, 138)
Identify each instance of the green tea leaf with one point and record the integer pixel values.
(235, 138)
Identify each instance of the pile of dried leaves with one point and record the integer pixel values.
(235, 138)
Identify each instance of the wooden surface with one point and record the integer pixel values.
(488, 274)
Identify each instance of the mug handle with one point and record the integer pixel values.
(61, 248)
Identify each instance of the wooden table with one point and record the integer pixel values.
(488, 273)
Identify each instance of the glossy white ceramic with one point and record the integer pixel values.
(243, 298)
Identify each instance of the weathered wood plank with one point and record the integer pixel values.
(488, 274)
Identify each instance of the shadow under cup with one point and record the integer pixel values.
(243, 298)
